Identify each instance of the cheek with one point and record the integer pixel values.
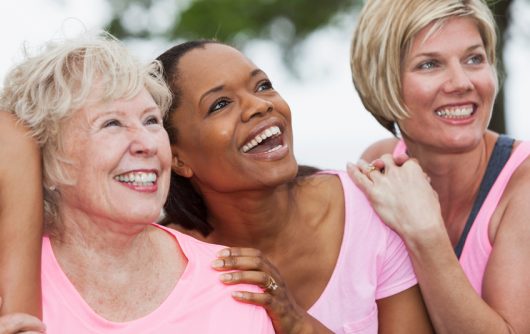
(164, 149)
(417, 91)
(488, 85)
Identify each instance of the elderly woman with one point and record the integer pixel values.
(429, 72)
(106, 267)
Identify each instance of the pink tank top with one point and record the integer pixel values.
(477, 248)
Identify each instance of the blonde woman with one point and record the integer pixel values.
(426, 70)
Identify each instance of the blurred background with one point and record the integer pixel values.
(302, 44)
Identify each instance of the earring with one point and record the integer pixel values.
(52, 188)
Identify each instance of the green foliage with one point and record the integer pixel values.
(236, 22)
(286, 22)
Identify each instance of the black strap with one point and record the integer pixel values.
(500, 155)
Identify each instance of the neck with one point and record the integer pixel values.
(456, 177)
(250, 219)
(78, 233)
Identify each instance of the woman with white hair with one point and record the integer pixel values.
(106, 266)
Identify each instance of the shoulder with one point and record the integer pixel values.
(379, 148)
(513, 207)
(325, 183)
(191, 242)
(519, 184)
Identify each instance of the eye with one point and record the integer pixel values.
(264, 85)
(428, 65)
(111, 123)
(152, 120)
(219, 104)
(475, 59)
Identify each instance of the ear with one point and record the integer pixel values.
(178, 165)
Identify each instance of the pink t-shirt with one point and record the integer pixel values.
(477, 248)
(373, 263)
(199, 303)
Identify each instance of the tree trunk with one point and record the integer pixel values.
(501, 12)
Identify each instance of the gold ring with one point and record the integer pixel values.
(271, 285)
(370, 168)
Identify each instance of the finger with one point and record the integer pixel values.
(254, 298)
(239, 263)
(19, 322)
(238, 251)
(388, 160)
(258, 278)
(358, 177)
(400, 159)
(379, 164)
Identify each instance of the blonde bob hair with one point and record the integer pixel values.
(47, 88)
(383, 36)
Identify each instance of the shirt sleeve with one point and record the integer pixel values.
(395, 273)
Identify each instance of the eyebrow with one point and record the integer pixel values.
(431, 54)
(221, 87)
(121, 112)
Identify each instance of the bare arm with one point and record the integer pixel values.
(21, 212)
(403, 313)
(20, 323)
(404, 199)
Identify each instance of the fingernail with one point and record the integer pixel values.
(218, 263)
(361, 161)
(350, 166)
(237, 294)
(225, 277)
(224, 252)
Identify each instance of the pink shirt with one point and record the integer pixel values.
(199, 303)
(373, 263)
(477, 248)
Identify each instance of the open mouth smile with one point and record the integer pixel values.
(141, 179)
(460, 112)
(269, 140)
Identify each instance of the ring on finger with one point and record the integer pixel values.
(370, 168)
(271, 285)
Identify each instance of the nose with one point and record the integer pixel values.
(255, 106)
(458, 80)
(143, 142)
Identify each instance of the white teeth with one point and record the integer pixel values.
(455, 113)
(274, 149)
(137, 178)
(272, 131)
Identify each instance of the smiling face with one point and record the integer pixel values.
(233, 129)
(448, 87)
(120, 161)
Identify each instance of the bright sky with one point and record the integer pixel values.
(330, 125)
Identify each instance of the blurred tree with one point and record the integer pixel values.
(285, 22)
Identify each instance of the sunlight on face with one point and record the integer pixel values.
(120, 158)
(448, 86)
